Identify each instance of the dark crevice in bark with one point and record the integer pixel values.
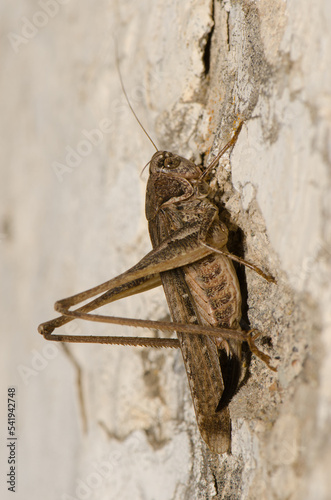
(207, 49)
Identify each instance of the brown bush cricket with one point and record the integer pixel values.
(191, 261)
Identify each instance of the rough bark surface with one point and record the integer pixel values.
(72, 216)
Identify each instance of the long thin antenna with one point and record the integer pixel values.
(127, 99)
(225, 148)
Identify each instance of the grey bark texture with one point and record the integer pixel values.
(72, 216)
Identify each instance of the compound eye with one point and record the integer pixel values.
(171, 162)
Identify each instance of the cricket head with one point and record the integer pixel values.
(164, 162)
(172, 179)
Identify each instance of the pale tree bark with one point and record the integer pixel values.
(73, 216)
